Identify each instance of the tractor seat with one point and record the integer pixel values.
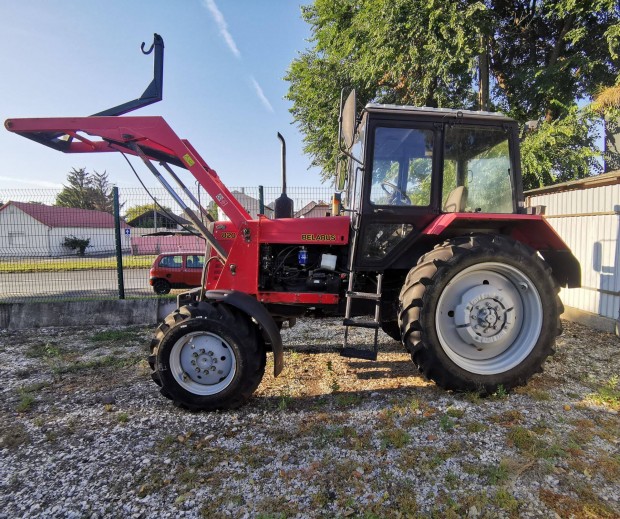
(455, 203)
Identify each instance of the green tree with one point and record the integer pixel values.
(77, 244)
(541, 56)
(86, 190)
(138, 210)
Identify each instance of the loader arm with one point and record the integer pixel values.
(149, 137)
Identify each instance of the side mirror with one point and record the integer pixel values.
(347, 120)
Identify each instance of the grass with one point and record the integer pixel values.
(27, 396)
(608, 395)
(25, 402)
(73, 263)
(116, 336)
(109, 361)
(48, 350)
(396, 438)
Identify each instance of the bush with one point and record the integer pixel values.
(77, 244)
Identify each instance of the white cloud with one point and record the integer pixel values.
(261, 94)
(38, 183)
(220, 21)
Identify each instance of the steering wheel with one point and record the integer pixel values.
(397, 197)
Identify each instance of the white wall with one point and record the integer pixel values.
(22, 235)
(588, 220)
(101, 240)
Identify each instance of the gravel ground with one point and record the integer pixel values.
(85, 433)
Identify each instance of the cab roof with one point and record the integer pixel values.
(496, 117)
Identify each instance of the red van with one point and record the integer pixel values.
(176, 270)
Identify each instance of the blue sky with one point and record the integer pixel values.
(223, 82)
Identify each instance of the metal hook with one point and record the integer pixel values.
(148, 51)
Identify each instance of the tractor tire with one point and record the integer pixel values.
(392, 329)
(479, 312)
(207, 356)
(161, 287)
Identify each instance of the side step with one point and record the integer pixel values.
(374, 324)
(362, 324)
(358, 353)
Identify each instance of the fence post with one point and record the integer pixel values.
(261, 200)
(119, 249)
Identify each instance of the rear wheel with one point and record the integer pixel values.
(207, 357)
(479, 312)
(161, 286)
(392, 329)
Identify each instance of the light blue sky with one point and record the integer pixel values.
(223, 88)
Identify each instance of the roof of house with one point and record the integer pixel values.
(605, 179)
(54, 216)
(309, 207)
(160, 215)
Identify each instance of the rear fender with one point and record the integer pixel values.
(253, 309)
(531, 229)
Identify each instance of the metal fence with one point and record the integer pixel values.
(49, 252)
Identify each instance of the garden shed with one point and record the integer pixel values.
(33, 229)
(586, 214)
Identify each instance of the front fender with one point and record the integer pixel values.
(253, 309)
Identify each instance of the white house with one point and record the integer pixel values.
(30, 229)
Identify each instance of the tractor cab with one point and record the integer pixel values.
(408, 165)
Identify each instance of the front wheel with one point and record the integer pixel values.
(161, 286)
(207, 356)
(479, 312)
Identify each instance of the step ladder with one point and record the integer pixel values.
(356, 352)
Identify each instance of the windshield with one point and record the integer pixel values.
(402, 167)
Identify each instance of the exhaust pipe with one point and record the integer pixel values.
(283, 205)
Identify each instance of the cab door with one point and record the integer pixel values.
(400, 193)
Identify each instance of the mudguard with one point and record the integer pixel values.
(533, 230)
(255, 310)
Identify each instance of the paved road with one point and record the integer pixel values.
(71, 284)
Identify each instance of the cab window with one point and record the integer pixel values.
(402, 166)
(195, 261)
(171, 262)
(476, 171)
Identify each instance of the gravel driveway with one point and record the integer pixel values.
(85, 433)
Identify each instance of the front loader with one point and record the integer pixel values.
(432, 244)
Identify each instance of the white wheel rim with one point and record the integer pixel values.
(203, 363)
(489, 318)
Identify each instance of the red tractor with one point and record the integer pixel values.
(432, 240)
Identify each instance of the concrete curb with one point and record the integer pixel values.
(18, 316)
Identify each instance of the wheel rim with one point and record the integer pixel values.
(203, 363)
(489, 318)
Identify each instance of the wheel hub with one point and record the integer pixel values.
(205, 359)
(484, 316)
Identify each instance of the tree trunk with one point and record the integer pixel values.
(483, 75)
